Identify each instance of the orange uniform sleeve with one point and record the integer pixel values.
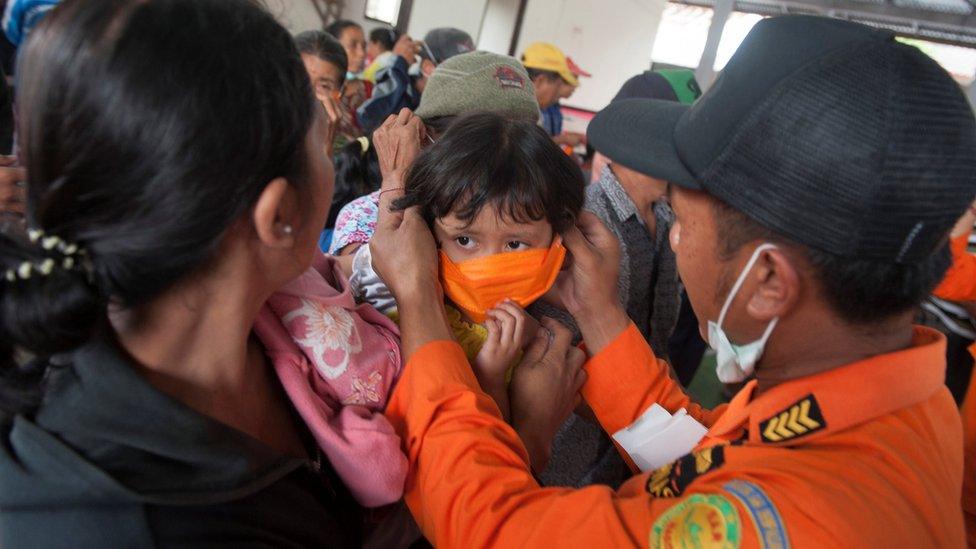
(625, 379)
(470, 486)
(959, 283)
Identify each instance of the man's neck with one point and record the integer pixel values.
(810, 348)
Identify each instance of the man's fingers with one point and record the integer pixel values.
(579, 382)
(575, 357)
(562, 338)
(576, 243)
(593, 229)
(404, 116)
(537, 348)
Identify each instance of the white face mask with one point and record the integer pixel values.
(736, 362)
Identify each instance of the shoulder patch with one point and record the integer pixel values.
(671, 480)
(798, 420)
(701, 520)
(769, 524)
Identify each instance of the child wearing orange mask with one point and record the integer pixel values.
(496, 194)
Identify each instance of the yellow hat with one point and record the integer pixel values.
(546, 57)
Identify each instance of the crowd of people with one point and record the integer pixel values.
(348, 289)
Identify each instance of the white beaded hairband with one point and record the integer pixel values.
(25, 270)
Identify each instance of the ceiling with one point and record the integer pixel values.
(949, 21)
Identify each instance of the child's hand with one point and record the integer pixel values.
(524, 327)
(510, 330)
(493, 361)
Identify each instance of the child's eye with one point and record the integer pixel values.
(464, 241)
(516, 245)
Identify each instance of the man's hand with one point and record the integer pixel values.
(398, 143)
(403, 249)
(406, 48)
(545, 389)
(588, 288)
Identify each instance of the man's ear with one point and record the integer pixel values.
(778, 288)
(276, 214)
(427, 67)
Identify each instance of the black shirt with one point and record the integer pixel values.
(108, 460)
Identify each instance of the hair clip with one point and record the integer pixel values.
(363, 143)
(50, 242)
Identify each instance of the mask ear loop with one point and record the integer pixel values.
(741, 280)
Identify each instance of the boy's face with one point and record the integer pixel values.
(489, 234)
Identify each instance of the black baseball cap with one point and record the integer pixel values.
(828, 132)
(444, 43)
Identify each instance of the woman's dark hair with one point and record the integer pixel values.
(147, 128)
(860, 291)
(486, 158)
(357, 173)
(385, 37)
(337, 27)
(324, 46)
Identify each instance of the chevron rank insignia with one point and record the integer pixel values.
(799, 420)
(672, 479)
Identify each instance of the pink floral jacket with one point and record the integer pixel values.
(338, 362)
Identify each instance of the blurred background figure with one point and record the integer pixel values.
(379, 51)
(355, 91)
(401, 84)
(555, 77)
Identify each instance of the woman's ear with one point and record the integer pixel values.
(276, 214)
(778, 289)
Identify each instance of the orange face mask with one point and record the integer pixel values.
(477, 285)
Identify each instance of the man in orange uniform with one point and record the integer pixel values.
(811, 220)
(959, 284)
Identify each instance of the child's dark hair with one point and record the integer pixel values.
(139, 155)
(357, 173)
(385, 37)
(486, 158)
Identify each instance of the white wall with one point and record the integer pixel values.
(498, 26)
(427, 14)
(355, 10)
(612, 39)
(296, 15)
(462, 14)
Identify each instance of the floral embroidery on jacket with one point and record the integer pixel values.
(330, 335)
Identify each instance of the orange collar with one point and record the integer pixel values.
(810, 407)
